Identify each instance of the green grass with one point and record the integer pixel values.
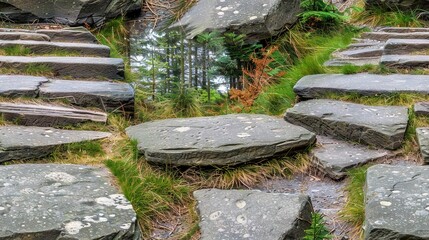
(20, 50)
(34, 69)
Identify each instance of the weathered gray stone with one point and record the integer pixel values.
(338, 62)
(65, 11)
(421, 109)
(403, 29)
(335, 158)
(39, 47)
(360, 52)
(69, 34)
(373, 125)
(258, 20)
(405, 61)
(58, 201)
(79, 67)
(423, 138)
(406, 46)
(20, 86)
(318, 86)
(22, 143)
(220, 140)
(395, 5)
(384, 36)
(24, 36)
(396, 202)
(109, 96)
(250, 214)
(47, 115)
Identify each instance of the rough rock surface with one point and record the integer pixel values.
(20, 86)
(421, 109)
(78, 67)
(406, 46)
(403, 29)
(318, 86)
(22, 143)
(221, 140)
(257, 19)
(50, 201)
(109, 96)
(69, 34)
(247, 214)
(399, 4)
(381, 126)
(423, 138)
(47, 115)
(405, 61)
(335, 157)
(396, 199)
(384, 36)
(360, 52)
(24, 36)
(338, 62)
(65, 11)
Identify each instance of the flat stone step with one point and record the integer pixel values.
(334, 157)
(360, 52)
(61, 201)
(24, 36)
(406, 46)
(39, 47)
(379, 126)
(403, 29)
(338, 62)
(48, 115)
(421, 108)
(220, 140)
(423, 139)
(24, 143)
(78, 67)
(109, 96)
(396, 202)
(73, 34)
(250, 214)
(320, 85)
(405, 61)
(384, 36)
(14, 86)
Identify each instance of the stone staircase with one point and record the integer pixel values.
(57, 201)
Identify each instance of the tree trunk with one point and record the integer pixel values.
(204, 58)
(153, 73)
(190, 63)
(182, 63)
(196, 67)
(167, 82)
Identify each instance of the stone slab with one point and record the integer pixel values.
(396, 202)
(384, 36)
(338, 62)
(219, 140)
(250, 214)
(39, 47)
(405, 61)
(24, 143)
(423, 139)
(421, 108)
(59, 201)
(406, 46)
(78, 67)
(14, 86)
(24, 36)
(403, 29)
(334, 157)
(48, 115)
(318, 86)
(359, 52)
(106, 95)
(380, 126)
(68, 34)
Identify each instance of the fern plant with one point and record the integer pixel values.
(318, 14)
(317, 230)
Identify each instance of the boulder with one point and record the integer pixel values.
(396, 202)
(423, 139)
(405, 61)
(250, 214)
(220, 140)
(257, 19)
(60, 201)
(65, 11)
(421, 108)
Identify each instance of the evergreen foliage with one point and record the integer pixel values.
(317, 230)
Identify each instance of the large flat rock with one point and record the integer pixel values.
(423, 139)
(405, 61)
(361, 61)
(360, 52)
(334, 157)
(69, 34)
(250, 214)
(109, 96)
(380, 126)
(221, 140)
(24, 36)
(14, 86)
(318, 86)
(78, 67)
(22, 143)
(384, 36)
(48, 115)
(258, 20)
(50, 201)
(421, 108)
(38, 47)
(396, 202)
(406, 46)
(403, 29)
